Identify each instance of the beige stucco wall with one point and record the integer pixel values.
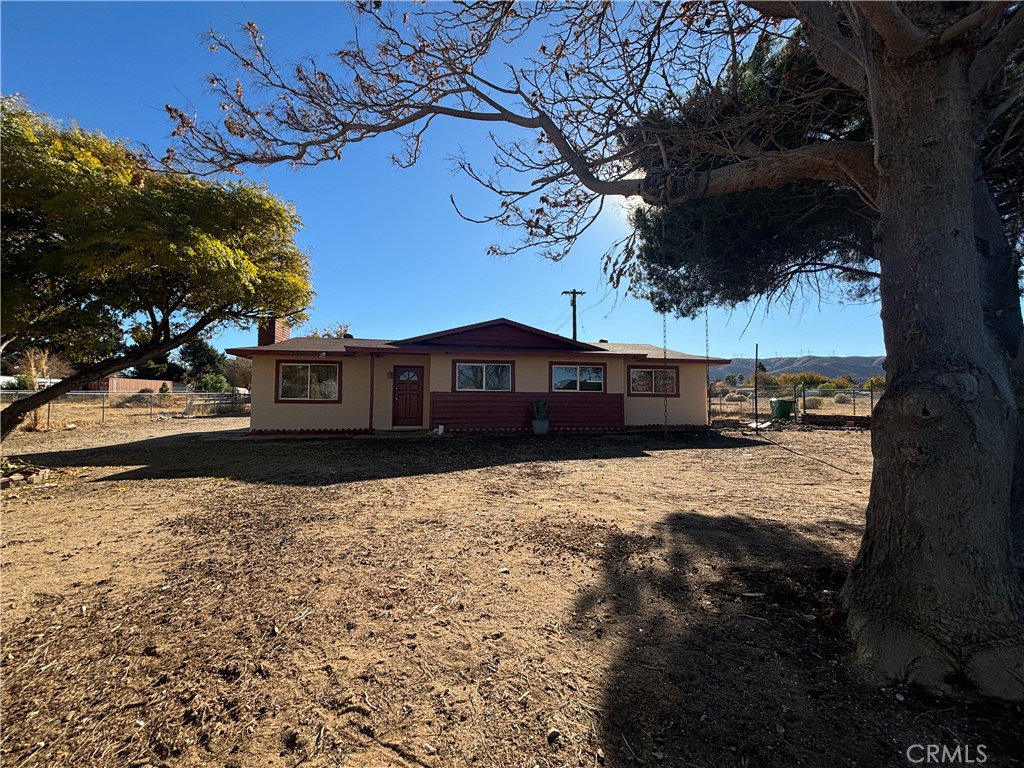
(350, 413)
(532, 374)
(383, 386)
(689, 408)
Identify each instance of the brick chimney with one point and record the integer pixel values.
(271, 331)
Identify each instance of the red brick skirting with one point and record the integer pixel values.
(493, 430)
(576, 430)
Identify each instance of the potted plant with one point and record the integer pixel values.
(540, 417)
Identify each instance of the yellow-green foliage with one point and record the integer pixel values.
(99, 248)
(809, 379)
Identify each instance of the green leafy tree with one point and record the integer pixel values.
(23, 382)
(201, 358)
(875, 382)
(159, 367)
(112, 263)
(803, 378)
(727, 250)
(935, 596)
(843, 382)
(779, 243)
(211, 382)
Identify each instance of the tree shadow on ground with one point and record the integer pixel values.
(730, 651)
(327, 461)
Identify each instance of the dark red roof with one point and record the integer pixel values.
(500, 333)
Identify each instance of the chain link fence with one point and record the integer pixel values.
(805, 403)
(90, 408)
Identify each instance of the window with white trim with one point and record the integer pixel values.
(652, 381)
(577, 378)
(308, 381)
(483, 377)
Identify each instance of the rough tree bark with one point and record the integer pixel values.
(934, 597)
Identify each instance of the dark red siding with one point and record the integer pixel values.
(499, 337)
(511, 410)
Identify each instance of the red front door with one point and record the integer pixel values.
(408, 396)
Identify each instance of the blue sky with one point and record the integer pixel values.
(390, 256)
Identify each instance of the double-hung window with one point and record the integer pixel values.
(309, 382)
(483, 377)
(653, 381)
(577, 378)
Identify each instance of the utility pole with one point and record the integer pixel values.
(572, 300)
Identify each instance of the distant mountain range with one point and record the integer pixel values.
(858, 368)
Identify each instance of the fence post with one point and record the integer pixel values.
(48, 416)
(853, 396)
(103, 409)
(871, 391)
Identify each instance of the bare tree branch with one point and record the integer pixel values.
(849, 163)
(993, 55)
(837, 53)
(902, 37)
(979, 19)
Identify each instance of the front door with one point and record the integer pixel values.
(408, 396)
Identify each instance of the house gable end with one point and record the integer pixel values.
(498, 334)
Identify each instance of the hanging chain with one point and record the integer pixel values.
(707, 360)
(664, 365)
(664, 323)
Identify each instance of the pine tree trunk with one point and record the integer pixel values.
(934, 597)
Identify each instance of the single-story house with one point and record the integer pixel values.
(477, 378)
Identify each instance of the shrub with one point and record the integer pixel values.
(164, 389)
(843, 382)
(735, 397)
(23, 382)
(812, 403)
(875, 382)
(806, 378)
(146, 391)
(841, 398)
(211, 382)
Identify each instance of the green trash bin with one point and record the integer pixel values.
(781, 409)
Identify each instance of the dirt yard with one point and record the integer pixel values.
(180, 596)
